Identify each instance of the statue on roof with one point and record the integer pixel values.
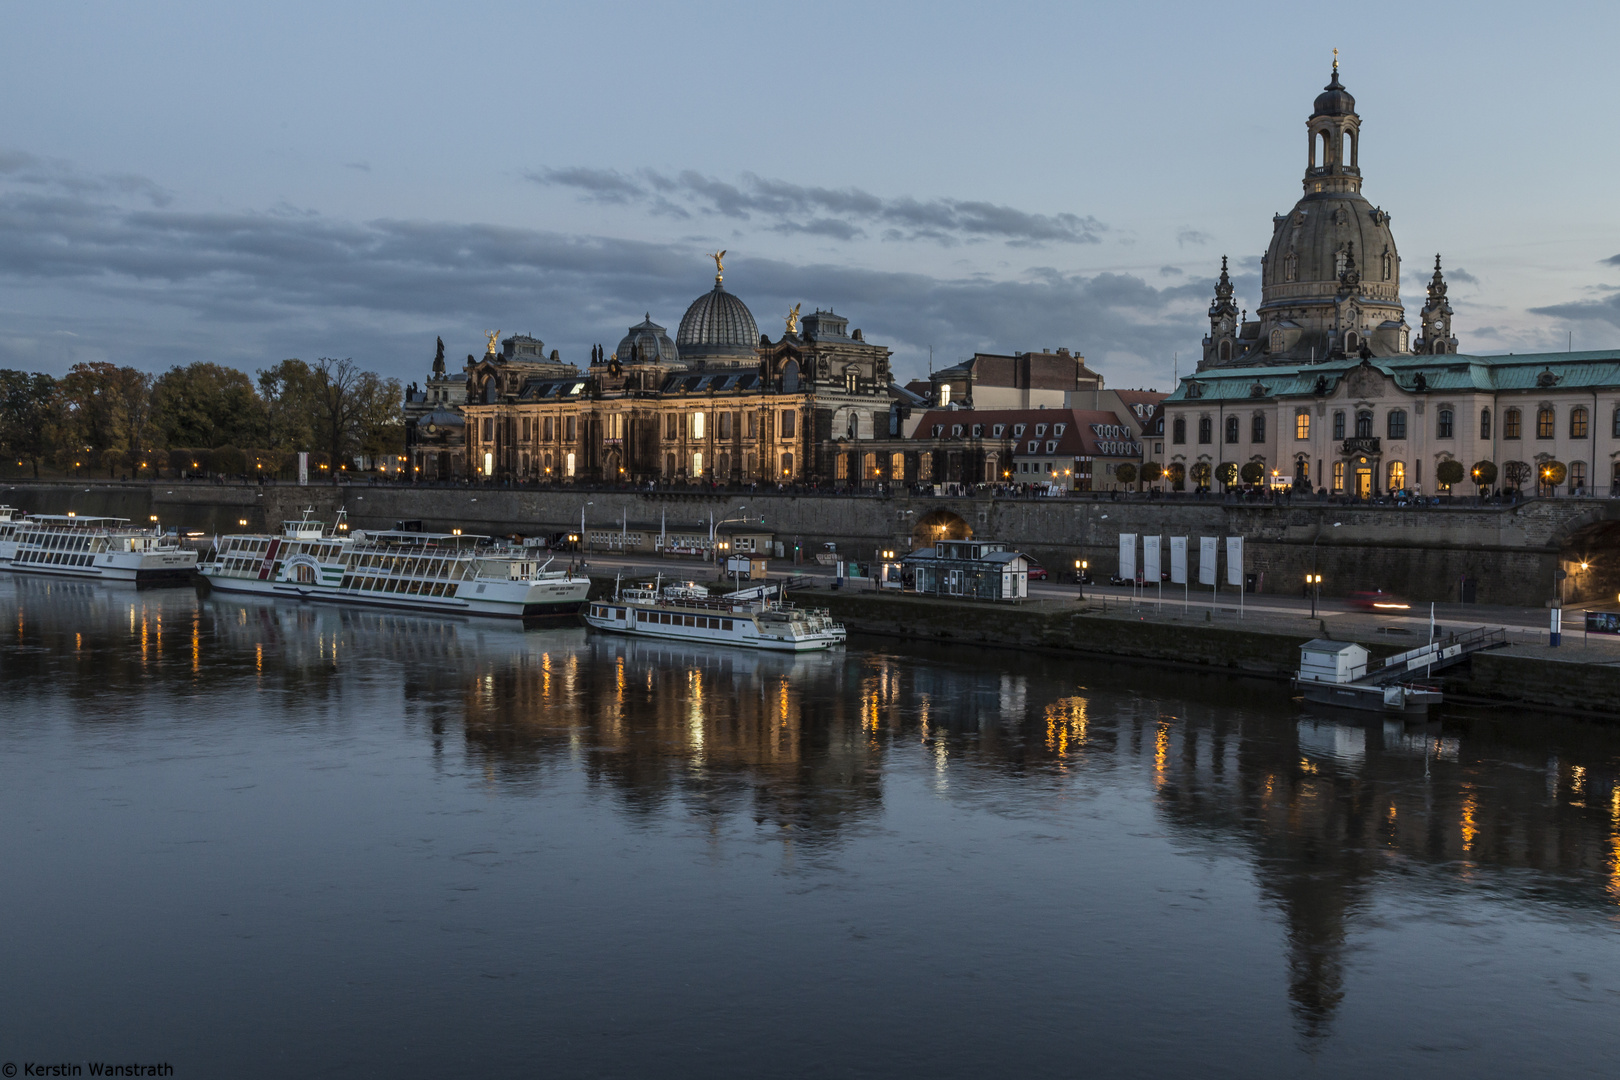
(492, 335)
(719, 266)
(793, 320)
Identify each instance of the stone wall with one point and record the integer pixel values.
(1510, 553)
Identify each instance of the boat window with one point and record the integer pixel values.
(725, 624)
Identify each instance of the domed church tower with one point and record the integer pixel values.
(718, 330)
(1330, 280)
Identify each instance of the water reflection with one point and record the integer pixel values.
(1328, 812)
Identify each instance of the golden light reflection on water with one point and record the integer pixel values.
(1469, 825)
(1066, 724)
(1161, 753)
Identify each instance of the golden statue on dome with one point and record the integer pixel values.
(492, 335)
(719, 266)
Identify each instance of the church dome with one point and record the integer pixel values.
(717, 325)
(647, 343)
(1334, 100)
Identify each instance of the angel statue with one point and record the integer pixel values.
(492, 335)
(793, 320)
(719, 265)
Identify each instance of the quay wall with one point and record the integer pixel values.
(1508, 554)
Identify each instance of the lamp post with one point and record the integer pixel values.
(582, 527)
(1080, 577)
(1315, 582)
(713, 524)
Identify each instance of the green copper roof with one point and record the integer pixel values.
(1593, 370)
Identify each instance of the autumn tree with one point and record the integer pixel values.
(207, 405)
(106, 408)
(29, 415)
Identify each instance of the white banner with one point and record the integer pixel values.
(1150, 559)
(1127, 556)
(1206, 560)
(1234, 561)
(1178, 560)
(303, 467)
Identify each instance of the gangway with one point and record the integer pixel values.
(1339, 673)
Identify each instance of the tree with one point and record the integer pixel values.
(1227, 473)
(1176, 473)
(1484, 473)
(287, 393)
(204, 404)
(1449, 471)
(1152, 471)
(346, 401)
(1553, 473)
(1252, 471)
(29, 415)
(1517, 473)
(107, 408)
(1125, 473)
(1201, 473)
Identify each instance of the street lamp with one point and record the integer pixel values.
(713, 524)
(1315, 582)
(582, 526)
(1080, 566)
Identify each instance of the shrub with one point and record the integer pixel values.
(1152, 471)
(1227, 473)
(1126, 473)
(1252, 472)
(1449, 471)
(1484, 473)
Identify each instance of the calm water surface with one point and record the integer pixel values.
(265, 840)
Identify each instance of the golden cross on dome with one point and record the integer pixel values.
(1335, 59)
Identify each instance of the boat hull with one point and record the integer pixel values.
(155, 568)
(543, 601)
(1370, 698)
(732, 628)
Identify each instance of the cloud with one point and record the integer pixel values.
(1191, 236)
(839, 212)
(1612, 260)
(1170, 271)
(1607, 311)
(358, 166)
(1459, 274)
(155, 285)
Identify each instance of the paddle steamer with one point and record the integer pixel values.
(442, 572)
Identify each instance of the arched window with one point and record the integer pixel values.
(1346, 149)
(1397, 476)
(852, 428)
(1205, 430)
(1545, 422)
(1338, 425)
(1178, 429)
(1577, 478)
(1395, 424)
(1352, 341)
(568, 464)
(1364, 420)
(1276, 341)
(1302, 424)
(1225, 350)
(790, 377)
(1578, 421)
(669, 464)
(787, 465)
(697, 463)
(944, 394)
(1257, 429)
(1321, 142)
(1232, 428)
(697, 425)
(897, 466)
(1445, 426)
(1511, 422)
(1484, 423)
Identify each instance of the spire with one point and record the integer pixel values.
(1435, 319)
(1221, 344)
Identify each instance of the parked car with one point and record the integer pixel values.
(1379, 601)
(1037, 572)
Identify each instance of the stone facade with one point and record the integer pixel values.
(1325, 390)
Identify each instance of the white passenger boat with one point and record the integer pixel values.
(753, 618)
(104, 548)
(444, 572)
(11, 520)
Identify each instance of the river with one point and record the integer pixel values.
(263, 839)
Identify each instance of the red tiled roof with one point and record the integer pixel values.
(1077, 439)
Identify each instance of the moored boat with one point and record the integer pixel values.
(102, 548)
(755, 618)
(444, 572)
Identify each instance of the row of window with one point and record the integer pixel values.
(998, 431)
(53, 558)
(665, 618)
(548, 428)
(1395, 425)
(399, 586)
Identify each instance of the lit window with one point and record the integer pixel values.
(1302, 424)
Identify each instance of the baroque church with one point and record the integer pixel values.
(720, 402)
(1327, 387)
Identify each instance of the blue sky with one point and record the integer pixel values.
(188, 181)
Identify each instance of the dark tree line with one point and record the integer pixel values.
(201, 418)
